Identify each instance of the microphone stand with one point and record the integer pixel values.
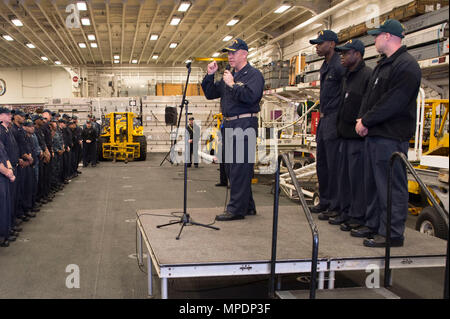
(186, 218)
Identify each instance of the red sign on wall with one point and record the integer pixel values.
(75, 78)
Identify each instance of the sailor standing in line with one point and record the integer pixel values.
(88, 136)
(194, 133)
(97, 127)
(6, 177)
(48, 155)
(39, 131)
(57, 180)
(75, 148)
(19, 135)
(387, 120)
(12, 152)
(68, 144)
(351, 170)
(36, 154)
(328, 142)
(28, 172)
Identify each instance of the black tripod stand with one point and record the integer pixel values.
(186, 218)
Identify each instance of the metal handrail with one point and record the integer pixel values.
(312, 225)
(444, 215)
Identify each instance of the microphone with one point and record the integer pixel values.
(228, 67)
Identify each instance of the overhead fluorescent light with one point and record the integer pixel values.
(153, 37)
(188, 61)
(251, 49)
(82, 45)
(7, 37)
(58, 62)
(282, 8)
(184, 6)
(85, 21)
(173, 45)
(30, 45)
(116, 61)
(17, 22)
(93, 45)
(215, 54)
(134, 61)
(44, 58)
(227, 38)
(251, 54)
(232, 22)
(91, 37)
(175, 21)
(116, 57)
(155, 57)
(81, 5)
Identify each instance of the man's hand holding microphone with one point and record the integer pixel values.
(227, 76)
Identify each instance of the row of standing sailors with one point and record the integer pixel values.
(39, 155)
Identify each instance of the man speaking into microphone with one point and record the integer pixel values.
(240, 90)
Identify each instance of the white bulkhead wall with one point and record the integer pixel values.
(35, 84)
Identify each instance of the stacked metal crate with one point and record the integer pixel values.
(276, 74)
(155, 128)
(426, 38)
(80, 107)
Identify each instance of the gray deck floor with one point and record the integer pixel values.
(343, 293)
(91, 223)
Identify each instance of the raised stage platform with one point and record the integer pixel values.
(243, 247)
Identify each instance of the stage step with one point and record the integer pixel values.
(340, 293)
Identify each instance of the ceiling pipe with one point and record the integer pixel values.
(318, 17)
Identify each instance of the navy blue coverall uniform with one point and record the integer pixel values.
(56, 163)
(67, 155)
(19, 135)
(351, 172)
(12, 150)
(26, 183)
(223, 172)
(193, 146)
(221, 153)
(47, 166)
(76, 150)
(41, 179)
(36, 151)
(89, 149)
(328, 142)
(242, 98)
(5, 197)
(98, 128)
(389, 113)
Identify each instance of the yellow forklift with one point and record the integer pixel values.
(433, 159)
(122, 138)
(213, 139)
